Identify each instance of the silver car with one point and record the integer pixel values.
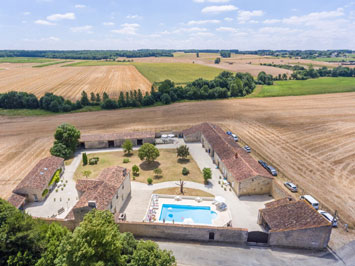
(329, 217)
(292, 187)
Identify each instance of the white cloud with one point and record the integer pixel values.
(212, 1)
(80, 6)
(56, 17)
(109, 24)
(86, 28)
(271, 21)
(53, 39)
(26, 13)
(44, 22)
(127, 29)
(245, 16)
(228, 19)
(201, 22)
(133, 17)
(218, 9)
(204, 34)
(226, 29)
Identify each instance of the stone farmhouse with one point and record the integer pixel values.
(292, 223)
(38, 182)
(245, 174)
(116, 139)
(109, 191)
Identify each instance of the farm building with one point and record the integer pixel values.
(115, 139)
(236, 165)
(108, 192)
(292, 223)
(38, 182)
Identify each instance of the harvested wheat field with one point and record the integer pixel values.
(69, 82)
(310, 139)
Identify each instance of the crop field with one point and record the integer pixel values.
(311, 144)
(180, 73)
(305, 87)
(71, 81)
(22, 60)
(52, 63)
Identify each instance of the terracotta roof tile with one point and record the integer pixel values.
(293, 215)
(102, 189)
(279, 202)
(242, 167)
(17, 200)
(41, 174)
(115, 136)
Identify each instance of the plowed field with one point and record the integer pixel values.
(69, 82)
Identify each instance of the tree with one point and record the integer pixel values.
(207, 174)
(182, 151)
(158, 172)
(66, 141)
(127, 146)
(98, 99)
(84, 99)
(92, 98)
(105, 96)
(217, 60)
(86, 173)
(121, 101)
(135, 170)
(181, 185)
(109, 104)
(148, 152)
(85, 159)
(166, 86)
(165, 98)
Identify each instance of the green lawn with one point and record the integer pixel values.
(52, 63)
(24, 60)
(180, 73)
(306, 87)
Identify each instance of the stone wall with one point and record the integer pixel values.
(96, 144)
(257, 185)
(196, 137)
(123, 193)
(185, 232)
(70, 224)
(312, 238)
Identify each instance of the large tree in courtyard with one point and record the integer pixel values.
(127, 146)
(183, 151)
(148, 152)
(66, 141)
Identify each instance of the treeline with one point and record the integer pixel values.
(224, 85)
(304, 54)
(96, 241)
(87, 54)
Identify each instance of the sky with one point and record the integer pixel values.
(177, 24)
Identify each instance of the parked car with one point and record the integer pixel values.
(263, 164)
(292, 187)
(329, 217)
(235, 137)
(229, 133)
(271, 170)
(247, 149)
(309, 199)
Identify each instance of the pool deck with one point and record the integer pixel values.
(222, 219)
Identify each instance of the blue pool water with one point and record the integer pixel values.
(187, 214)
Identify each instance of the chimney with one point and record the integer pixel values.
(236, 155)
(92, 204)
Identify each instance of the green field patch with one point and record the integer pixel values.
(334, 59)
(52, 63)
(307, 87)
(21, 60)
(24, 112)
(180, 73)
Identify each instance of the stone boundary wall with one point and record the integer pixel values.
(70, 224)
(278, 191)
(185, 232)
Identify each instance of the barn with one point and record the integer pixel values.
(245, 174)
(112, 140)
(294, 223)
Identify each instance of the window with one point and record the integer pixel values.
(211, 236)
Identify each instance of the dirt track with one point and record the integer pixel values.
(71, 81)
(309, 138)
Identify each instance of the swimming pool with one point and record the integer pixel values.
(187, 214)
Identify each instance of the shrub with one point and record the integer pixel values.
(62, 188)
(125, 160)
(219, 182)
(127, 146)
(225, 189)
(158, 171)
(150, 181)
(45, 192)
(185, 171)
(183, 151)
(207, 174)
(135, 170)
(85, 159)
(94, 160)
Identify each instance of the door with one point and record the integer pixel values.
(258, 237)
(35, 197)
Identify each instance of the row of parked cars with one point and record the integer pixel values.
(269, 168)
(292, 187)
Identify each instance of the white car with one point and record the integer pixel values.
(329, 217)
(235, 137)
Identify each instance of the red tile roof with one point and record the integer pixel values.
(41, 174)
(279, 202)
(116, 136)
(16, 200)
(292, 215)
(103, 189)
(226, 148)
